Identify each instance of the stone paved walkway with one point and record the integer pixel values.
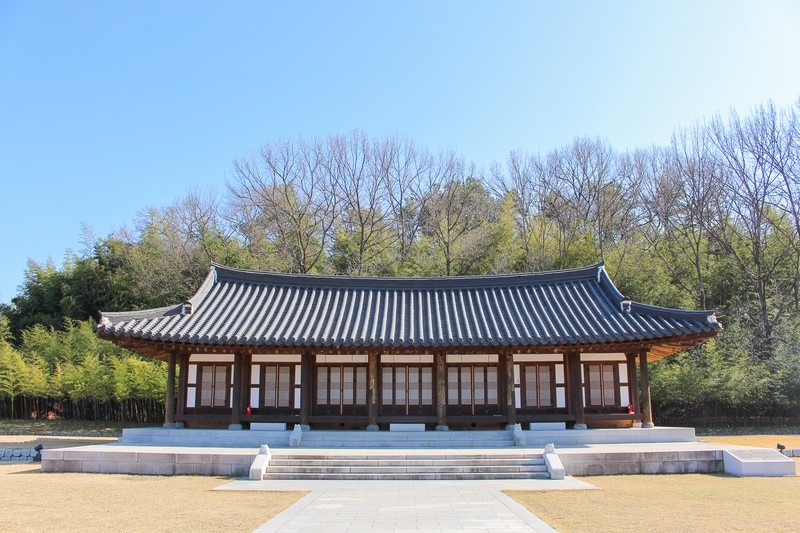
(406, 505)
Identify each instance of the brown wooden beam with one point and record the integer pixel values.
(576, 388)
(236, 408)
(507, 367)
(647, 409)
(440, 361)
(658, 348)
(247, 369)
(372, 390)
(169, 408)
(633, 382)
(307, 379)
(183, 363)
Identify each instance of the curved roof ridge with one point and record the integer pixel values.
(672, 312)
(124, 316)
(224, 272)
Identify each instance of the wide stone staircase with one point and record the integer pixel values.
(433, 465)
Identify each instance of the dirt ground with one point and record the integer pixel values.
(36, 501)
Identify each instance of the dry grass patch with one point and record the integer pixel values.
(688, 502)
(34, 501)
(760, 441)
(50, 442)
(94, 428)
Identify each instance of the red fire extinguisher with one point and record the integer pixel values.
(630, 409)
(249, 410)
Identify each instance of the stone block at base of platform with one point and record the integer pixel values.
(758, 462)
(141, 460)
(548, 426)
(406, 427)
(268, 426)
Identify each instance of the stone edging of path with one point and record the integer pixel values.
(17, 455)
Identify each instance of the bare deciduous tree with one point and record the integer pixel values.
(745, 223)
(286, 197)
(586, 197)
(525, 179)
(678, 190)
(357, 180)
(456, 215)
(407, 174)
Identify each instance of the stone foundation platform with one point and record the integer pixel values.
(230, 453)
(149, 460)
(400, 439)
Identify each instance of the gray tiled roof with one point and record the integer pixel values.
(574, 307)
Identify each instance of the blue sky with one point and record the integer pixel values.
(107, 108)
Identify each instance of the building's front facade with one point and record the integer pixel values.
(461, 352)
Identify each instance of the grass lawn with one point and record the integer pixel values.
(33, 501)
(687, 502)
(761, 441)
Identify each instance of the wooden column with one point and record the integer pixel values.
(372, 390)
(306, 382)
(576, 388)
(507, 364)
(440, 360)
(169, 408)
(633, 382)
(647, 409)
(183, 363)
(236, 408)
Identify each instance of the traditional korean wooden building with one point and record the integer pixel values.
(363, 352)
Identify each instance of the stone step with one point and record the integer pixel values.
(408, 466)
(404, 444)
(404, 462)
(409, 457)
(411, 476)
(455, 434)
(390, 470)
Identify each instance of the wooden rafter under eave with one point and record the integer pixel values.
(160, 350)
